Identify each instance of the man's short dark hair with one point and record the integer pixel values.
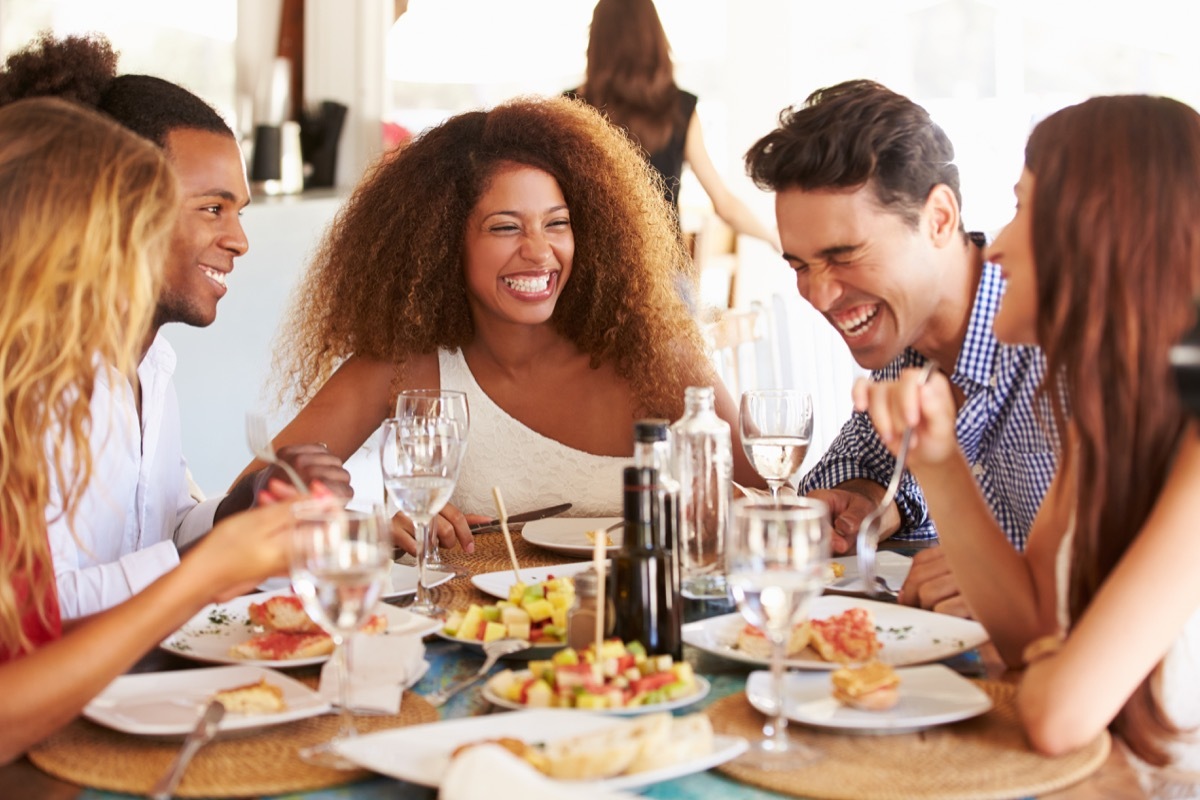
(83, 69)
(853, 134)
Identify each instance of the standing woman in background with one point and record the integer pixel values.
(631, 79)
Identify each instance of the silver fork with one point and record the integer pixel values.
(495, 650)
(260, 444)
(868, 529)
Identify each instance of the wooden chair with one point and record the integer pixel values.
(741, 348)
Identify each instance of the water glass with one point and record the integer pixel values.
(776, 429)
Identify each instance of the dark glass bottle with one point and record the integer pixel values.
(652, 448)
(646, 604)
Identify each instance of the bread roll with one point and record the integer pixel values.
(260, 697)
(871, 687)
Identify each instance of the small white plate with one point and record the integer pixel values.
(702, 689)
(909, 635)
(170, 703)
(568, 535)
(421, 753)
(930, 695)
(404, 581)
(537, 651)
(209, 636)
(497, 584)
(892, 567)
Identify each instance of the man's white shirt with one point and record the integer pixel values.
(138, 509)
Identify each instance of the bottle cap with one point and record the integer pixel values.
(587, 583)
(650, 430)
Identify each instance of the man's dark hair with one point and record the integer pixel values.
(853, 134)
(83, 69)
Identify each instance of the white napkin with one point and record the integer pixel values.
(491, 771)
(382, 667)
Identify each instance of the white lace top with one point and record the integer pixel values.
(1177, 691)
(531, 470)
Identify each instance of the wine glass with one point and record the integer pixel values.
(420, 457)
(452, 405)
(776, 428)
(340, 565)
(776, 559)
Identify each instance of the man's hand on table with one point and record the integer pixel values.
(849, 503)
(931, 585)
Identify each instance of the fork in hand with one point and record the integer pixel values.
(868, 530)
(260, 444)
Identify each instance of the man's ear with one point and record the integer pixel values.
(941, 215)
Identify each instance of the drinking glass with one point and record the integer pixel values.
(340, 565)
(420, 457)
(776, 559)
(776, 428)
(443, 403)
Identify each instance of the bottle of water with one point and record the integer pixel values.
(703, 459)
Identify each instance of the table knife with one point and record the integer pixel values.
(528, 516)
(204, 731)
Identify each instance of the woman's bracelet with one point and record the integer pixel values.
(1041, 647)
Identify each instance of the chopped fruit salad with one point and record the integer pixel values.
(622, 677)
(536, 612)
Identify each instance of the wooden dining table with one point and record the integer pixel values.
(449, 661)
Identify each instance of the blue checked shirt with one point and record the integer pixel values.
(1011, 448)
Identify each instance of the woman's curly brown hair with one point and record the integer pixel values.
(387, 282)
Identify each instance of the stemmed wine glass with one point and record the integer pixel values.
(420, 457)
(450, 404)
(776, 559)
(340, 565)
(776, 428)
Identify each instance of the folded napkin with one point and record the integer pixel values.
(382, 667)
(491, 771)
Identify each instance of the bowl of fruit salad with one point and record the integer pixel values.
(623, 680)
(535, 612)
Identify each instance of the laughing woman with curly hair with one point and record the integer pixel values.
(526, 256)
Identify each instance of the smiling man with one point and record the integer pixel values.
(139, 510)
(868, 206)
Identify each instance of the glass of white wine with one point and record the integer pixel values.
(776, 428)
(776, 558)
(340, 565)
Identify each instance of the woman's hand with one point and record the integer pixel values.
(451, 527)
(928, 408)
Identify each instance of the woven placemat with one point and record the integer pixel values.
(986, 758)
(247, 765)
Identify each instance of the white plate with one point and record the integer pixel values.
(210, 634)
(929, 695)
(892, 567)
(702, 689)
(404, 581)
(909, 635)
(170, 703)
(497, 584)
(537, 651)
(421, 753)
(568, 535)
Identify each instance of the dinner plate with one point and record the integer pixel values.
(568, 535)
(909, 635)
(930, 695)
(170, 703)
(892, 567)
(537, 651)
(404, 581)
(497, 584)
(702, 689)
(210, 635)
(421, 753)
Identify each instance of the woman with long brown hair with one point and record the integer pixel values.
(523, 256)
(86, 209)
(1102, 261)
(630, 77)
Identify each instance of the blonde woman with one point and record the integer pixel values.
(85, 207)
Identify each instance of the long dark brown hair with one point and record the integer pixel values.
(629, 71)
(387, 281)
(1116, 236)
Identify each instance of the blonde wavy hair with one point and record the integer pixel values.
(387, 282)
(85, 207)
